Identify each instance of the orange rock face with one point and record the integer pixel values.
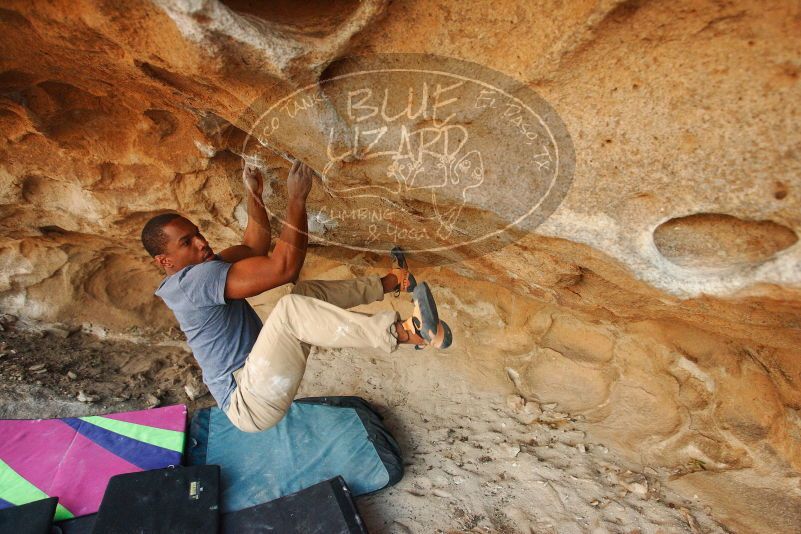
(658, 297)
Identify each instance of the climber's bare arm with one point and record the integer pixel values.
(257, 234)
(254, 275)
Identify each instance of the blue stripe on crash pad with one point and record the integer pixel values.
(312, 443)
(141, 454)
(5, 504)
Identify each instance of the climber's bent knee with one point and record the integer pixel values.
(258, 404)
(254, 415)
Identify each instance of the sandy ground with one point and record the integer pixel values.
(478, 459)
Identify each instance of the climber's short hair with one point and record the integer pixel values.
(153, 237)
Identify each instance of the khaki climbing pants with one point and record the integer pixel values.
(313, 314)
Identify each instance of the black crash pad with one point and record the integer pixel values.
(324, 508)
(79, 525)
(162, 501)
(30, 518)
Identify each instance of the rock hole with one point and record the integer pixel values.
(14, 19)
(174, 81)
(31, 186)
(779, 190)
(163, 120)
(69, 96)
(211, 124)
(624, 11)
(315, 18)
(720, 240)
(15, 80)
(52, 230)
(223, 134)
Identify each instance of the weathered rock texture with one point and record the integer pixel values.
(660, 301)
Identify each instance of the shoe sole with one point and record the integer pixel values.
(397, 254)
(447, 338)
(424, 301)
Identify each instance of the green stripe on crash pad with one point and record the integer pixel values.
(16, 489)
(166, 439)
(62, 513)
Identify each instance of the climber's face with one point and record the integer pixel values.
(185, 246)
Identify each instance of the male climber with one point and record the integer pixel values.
(254, 370)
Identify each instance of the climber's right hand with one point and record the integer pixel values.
(299, 182)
